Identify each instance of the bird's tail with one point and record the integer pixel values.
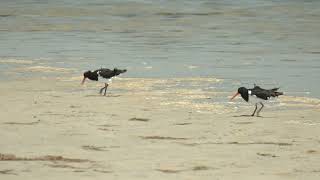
(275, 92)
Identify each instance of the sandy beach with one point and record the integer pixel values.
(169, 117)
(54, 128)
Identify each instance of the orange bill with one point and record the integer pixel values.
(235, 95)
(84, 78)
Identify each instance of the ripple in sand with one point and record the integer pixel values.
(237, 143)
(182, 124)
(94, 148)
(163, 138)
(64, 166)
(248, 122)
(106, 129)
(169, 170)
(174, 170)
(102, 171)
(312, 152)
(266, 155)
(139, 119)
(8, 171)
(12, 157)
(21, 123)
(200, 168)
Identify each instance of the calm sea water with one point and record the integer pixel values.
(267, 42)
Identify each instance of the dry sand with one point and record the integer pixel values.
(56, 129)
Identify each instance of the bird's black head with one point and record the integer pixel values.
(90, 75)
(244, 93)
(119, 71)
(87, 74)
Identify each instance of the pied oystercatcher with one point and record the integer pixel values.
(102, 74)
(257, 95)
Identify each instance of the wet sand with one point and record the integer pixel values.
(54, 129)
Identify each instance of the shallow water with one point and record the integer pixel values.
(270, 43)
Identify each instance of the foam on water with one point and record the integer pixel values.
(45, 69)
(16, 61)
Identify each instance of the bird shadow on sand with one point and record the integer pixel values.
(243, 115)
(247, 115)
(98, 95)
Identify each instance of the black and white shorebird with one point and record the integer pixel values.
(257, 95)
(103, 74)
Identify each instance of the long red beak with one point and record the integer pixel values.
(82, 82)
(235, 96)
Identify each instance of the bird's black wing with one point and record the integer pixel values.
(260, 93)
(105, 73)
(265, 93)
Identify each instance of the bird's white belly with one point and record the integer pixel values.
(104, 80)
(254, 99)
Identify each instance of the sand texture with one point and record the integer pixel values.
(57, 129)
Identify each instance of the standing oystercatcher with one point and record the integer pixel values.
(257, 95)
(102, 74)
